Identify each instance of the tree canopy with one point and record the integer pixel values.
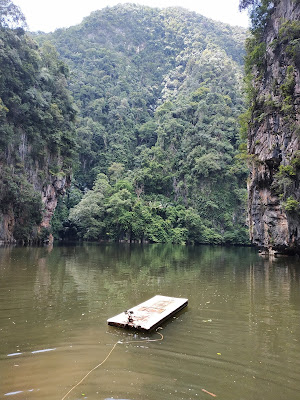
(11, 15)
(159, 94)
(37, 115)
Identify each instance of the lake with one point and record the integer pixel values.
(239, 337)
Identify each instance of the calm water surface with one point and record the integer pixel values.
(239, 338)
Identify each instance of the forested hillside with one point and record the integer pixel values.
(37, 137)
(159, 94)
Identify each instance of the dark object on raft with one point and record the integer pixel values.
(150, 314)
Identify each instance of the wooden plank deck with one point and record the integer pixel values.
(150, 314)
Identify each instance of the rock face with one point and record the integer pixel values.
(273, 136)
(50, 193)
(36, 136)
(7, 223)
(48, 189)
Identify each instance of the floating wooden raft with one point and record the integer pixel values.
(150, 314)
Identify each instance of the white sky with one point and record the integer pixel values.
(48, 15)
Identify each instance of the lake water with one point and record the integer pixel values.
(239, 338)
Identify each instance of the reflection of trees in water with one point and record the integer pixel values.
(103, 278)
(274, 298)
(43, 279)
(42, 284)
(110, 275)
(108, 271)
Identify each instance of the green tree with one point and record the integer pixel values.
(11, 15)
(37, 117)
(159, 98)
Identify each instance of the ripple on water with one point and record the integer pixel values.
(18, 392)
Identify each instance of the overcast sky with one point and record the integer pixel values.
(48, 15)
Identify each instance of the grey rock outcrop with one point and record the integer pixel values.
(49, 187)
(274, 136)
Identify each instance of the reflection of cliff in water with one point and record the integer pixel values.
(274, 293)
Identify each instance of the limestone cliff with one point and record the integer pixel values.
(274, 129)
(17, 224)
(36, 136)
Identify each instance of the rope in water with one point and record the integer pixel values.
(107, 357)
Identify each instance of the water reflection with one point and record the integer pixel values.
(239, 337)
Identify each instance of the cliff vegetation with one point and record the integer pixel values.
(272, 124)
(154, 149)
(159, 94)
(36, 130)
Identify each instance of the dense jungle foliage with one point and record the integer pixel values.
(159, 94)
(36, 122)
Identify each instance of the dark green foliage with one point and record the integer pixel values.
(287, 42)
(34, 99)
(159, 93)
(284, 179)
(19, 199)
(37, 116)
(159, 96)
(256, 55)
(118, 69)
(115, 212)
(291, 205)
(287, 90)
(255, 59)
(259, 12)
(10, 15)
(59, 226)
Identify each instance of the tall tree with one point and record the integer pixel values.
(11, 15)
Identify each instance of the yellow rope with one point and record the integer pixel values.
(107, 357)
